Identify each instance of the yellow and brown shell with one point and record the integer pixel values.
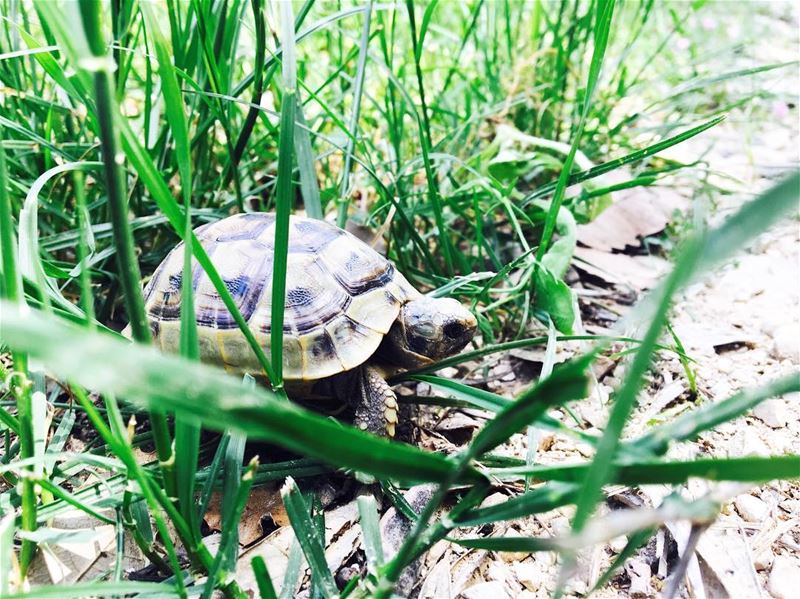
(341, 296)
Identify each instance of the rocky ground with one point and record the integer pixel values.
(741, 324)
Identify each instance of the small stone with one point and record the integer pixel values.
(617, 544)
(576, 586)
(786, 343)
(513, 556)
(748, 442)
(639, 574)
(772, 412)
(763, 560)
(720, 389)
(497, 571)
(560, 525)
(485, 590)
(784, 577)
(529, 574)
(751, 508)
(724, 365)
(494, 499)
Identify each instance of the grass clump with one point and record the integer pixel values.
(460, 131)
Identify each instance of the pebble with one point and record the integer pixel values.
(639, 574)
(529, 574)
(485, 590)
(497, 571)
(512, 556)
(576, 586)
(763, 560)
(786, 343)
(784, 577)
(617, 544)
(751, 508)
(494, 499)
(748, 442)
(772, 412)
(560, 525)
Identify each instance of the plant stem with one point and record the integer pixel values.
(19, 382)
(128, 266)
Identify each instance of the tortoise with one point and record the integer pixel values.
(351, 319)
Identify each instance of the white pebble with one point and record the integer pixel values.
(786, 343)
(485, 590)
(772, 412)
(784, 577)
(529, 574)
(751, 508)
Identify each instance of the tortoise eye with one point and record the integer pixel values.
(453, 330)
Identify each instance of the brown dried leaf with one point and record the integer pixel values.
(263, 501)
(639, 272)
(637, 213)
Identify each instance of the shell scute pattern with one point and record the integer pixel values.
(341, 296)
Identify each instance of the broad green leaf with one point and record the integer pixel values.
(555, 298)
(149, 378)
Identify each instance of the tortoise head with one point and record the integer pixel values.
(428, 329)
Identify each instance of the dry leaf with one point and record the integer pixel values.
(66, 562)
(639, 272)
(635, 214)
(263, 501)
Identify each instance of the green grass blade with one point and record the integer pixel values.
(612, 165)
(543, 499)
(19, 385)
(424, 126)
(312, 543)
(293, 571)
(283, 208)
(30, 263)
(232, 483)
(653, 472)
(309, 187)
(211, 474)
(358, 91)
(175, 113)
(266, 590)
(228, 546)
(149, 378)
(605, 10)
(371, 532)
(689, 425)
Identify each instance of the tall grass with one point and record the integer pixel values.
(385, 114)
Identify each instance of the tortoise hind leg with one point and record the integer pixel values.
(375, 403)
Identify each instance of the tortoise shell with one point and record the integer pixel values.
(342, 297)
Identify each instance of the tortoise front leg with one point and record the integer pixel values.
(375, 403)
